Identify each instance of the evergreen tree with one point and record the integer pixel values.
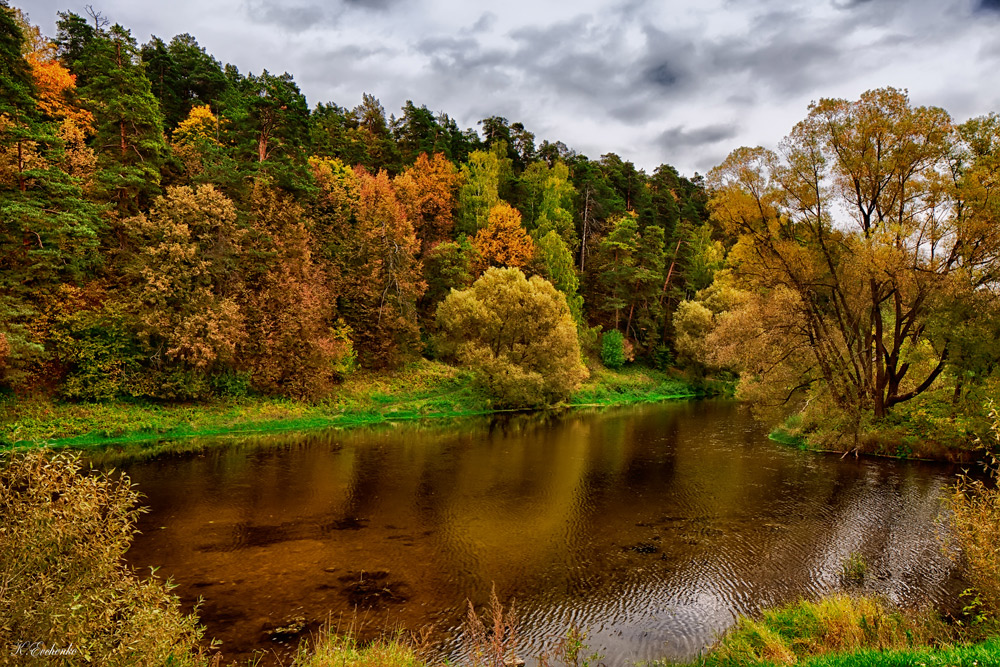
(129, 127)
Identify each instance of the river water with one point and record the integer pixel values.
(651, 528)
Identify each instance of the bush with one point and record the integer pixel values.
(63, 581)
(613, 349)
(517, 334)
(663, 358)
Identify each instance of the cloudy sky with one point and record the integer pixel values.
(681, 82)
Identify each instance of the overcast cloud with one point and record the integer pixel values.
(676, 82)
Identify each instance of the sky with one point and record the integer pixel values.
(674, 82)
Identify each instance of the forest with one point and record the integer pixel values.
(176, 230)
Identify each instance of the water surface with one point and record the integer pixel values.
(651, 528)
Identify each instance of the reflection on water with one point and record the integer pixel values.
(650, 527)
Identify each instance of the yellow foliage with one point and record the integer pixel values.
(518, 334)
(504, 242)
(200, 125)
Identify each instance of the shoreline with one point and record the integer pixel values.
(421, 391)
(949, 455)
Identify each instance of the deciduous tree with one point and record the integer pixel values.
(519, 336)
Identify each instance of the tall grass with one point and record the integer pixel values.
(835, 624)
(336, 650)
(975, 508)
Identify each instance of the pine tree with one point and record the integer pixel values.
(130, 144)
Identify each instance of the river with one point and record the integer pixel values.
(651, 528)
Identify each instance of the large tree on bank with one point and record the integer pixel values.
(858, 240)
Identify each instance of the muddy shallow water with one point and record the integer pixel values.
(649, 527)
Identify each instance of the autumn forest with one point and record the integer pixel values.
(176, 230)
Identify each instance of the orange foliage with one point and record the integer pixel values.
(56, 88)
(296, 348)
(427, 193)
(381, 274)
(504, 242)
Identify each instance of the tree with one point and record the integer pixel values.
(427, 192)
(615, 272)
(375, 135)
(559, 269)
(380, 275)
(517, 334)
(266, 119)
(49, 231)
(504, 242)
(846, 306)
(190, 248)
(67, 583)
(182, 75)
(418, 132)
(480, 191)
(73, 40)
(295, 345)
(129, 127)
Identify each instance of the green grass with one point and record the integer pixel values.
(845, 631)
(986, 654)
(419, 391)
(636, 384)
(783, 437)
(332, 650)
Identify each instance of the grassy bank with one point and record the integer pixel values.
(421, 390)
(845, 631)
(637, 384)
(927, 429)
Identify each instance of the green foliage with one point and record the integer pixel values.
(663, 357)
(232, 384)
(559, 269)
(64, 578)
(101, 353)
(517, 334)
(613, 349)
(854, 569)
(182, 75)
(482, 177)
(129, 127)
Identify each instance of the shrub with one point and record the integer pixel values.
(517, 334)
(613, 349)
(63, 581)
(663, 358)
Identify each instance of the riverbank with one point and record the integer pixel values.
(836, 631)
(929, 429)
(421, 390)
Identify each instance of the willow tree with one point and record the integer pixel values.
(855, 239)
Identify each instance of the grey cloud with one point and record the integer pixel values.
(298, 17)
(680, 137)
(295, 18)
(484, 22)
(988, 5)
(371, 4)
